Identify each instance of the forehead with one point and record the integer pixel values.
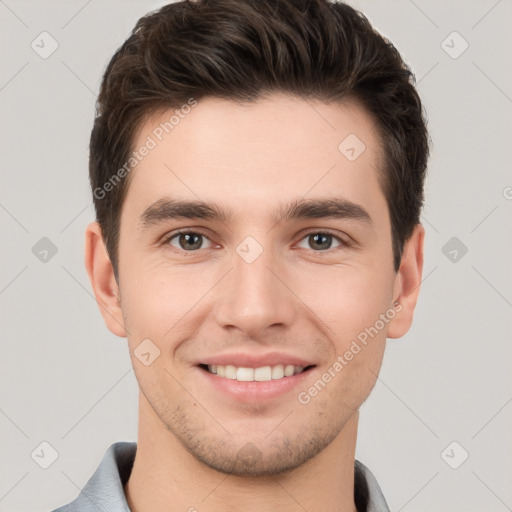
(275, 149)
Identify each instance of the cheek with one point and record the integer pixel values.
(155, 312)
(158, 300)
(347, 298)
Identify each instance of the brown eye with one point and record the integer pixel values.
(322, 241)
(187, 240)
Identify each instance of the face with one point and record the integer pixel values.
(252, 298)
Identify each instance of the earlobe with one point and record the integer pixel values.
(101, 274)
(407, 283)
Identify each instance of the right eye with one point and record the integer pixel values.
(188, 241)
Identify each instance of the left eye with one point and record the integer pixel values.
(321, 241)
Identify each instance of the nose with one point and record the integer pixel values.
(256, 296)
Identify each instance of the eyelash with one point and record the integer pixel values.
(343, 243)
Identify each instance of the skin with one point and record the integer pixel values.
(295, 297)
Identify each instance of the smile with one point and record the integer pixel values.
(261, 374)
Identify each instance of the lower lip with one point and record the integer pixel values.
(254, 390)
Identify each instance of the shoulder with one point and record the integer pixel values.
(368, 495)
(104, 489)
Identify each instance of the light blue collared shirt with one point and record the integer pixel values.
(104, 492)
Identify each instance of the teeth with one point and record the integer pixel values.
(264, 373)
(289, 369)
(278, 371)
(230, 372)
(245, 374)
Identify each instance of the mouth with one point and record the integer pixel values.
(254, 377)
(260, 374)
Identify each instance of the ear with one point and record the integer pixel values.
(407, 284)
(101, 274)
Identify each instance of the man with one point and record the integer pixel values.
(257, 169)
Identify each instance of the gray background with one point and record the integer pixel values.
(67, 381)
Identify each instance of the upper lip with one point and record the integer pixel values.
(247, 360)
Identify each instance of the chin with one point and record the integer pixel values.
(258, 458)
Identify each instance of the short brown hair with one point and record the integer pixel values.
(240, 50)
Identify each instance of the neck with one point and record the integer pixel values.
(166, 477)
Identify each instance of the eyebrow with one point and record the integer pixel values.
(335, 208)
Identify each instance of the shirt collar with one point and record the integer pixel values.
(105, 489)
